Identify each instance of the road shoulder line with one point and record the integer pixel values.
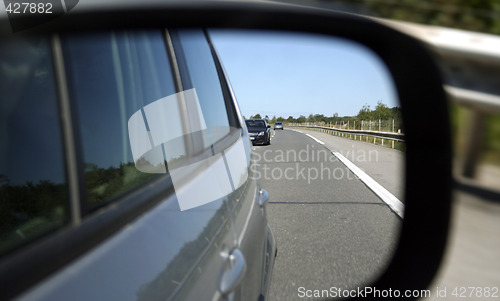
(394, 203)
(315, 139)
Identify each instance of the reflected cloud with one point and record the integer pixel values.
(172, 131)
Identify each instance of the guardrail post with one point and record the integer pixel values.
(474, 144)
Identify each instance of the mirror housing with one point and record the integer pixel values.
(419, 87)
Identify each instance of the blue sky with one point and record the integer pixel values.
(283, 74)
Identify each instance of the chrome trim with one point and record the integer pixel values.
(68, 132)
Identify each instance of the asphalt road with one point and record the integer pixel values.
(385, 165)
(331, 229)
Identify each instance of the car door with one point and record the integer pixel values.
(247, 201)
(254, 237)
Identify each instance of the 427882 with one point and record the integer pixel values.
(475, 292)
(29, 8)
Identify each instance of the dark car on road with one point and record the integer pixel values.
(278, 125)
(259, 131)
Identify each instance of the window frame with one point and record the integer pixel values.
(61, 145)
(231, 112)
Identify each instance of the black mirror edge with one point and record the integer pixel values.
(428, 167)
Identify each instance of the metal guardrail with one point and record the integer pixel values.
(399, 137)
(474, 100)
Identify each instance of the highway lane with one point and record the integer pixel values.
(385, 165)
(331, 229)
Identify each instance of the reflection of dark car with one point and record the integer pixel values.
(143, 190)
(259, 131)
(278, 125)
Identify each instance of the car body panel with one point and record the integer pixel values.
(132, 263)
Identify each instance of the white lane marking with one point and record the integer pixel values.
(295, 130)
(393, 202)
(316, 139)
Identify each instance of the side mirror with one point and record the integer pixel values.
(416, 80)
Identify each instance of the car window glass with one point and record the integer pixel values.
(33, 191)
(111, 76)
(255, 124)
(198, 71)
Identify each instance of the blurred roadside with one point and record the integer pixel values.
(472, 15)
(472, 262)
(484, 133)
(470, 67)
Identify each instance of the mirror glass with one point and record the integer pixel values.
(334, 165)
(323, 134)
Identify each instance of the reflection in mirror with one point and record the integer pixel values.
(33, 190)
(334, 167)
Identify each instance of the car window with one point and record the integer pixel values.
(198, 71)
(255, 124)
(33, 191)
(111, 76)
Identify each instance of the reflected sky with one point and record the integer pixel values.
(291, 74)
